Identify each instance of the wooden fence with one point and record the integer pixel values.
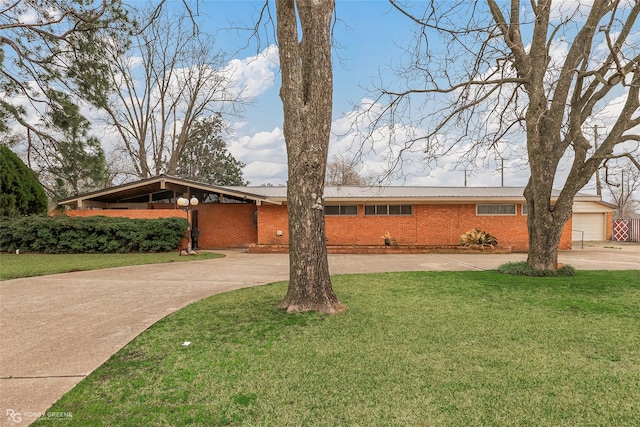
(626, 230)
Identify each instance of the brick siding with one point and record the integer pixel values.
(428, 225)
(232, 225)
(127, 213)
(226, 225)
(609, 222)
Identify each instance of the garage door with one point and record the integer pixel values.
(592, 224)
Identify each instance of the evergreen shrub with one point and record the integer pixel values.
(97, 234)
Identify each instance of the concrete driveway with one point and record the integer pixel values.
(55, 330)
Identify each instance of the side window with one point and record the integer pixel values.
(347, 210)
(331, 210)
(496, 209)
(388, 210)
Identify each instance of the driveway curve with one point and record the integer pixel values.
(55, 330)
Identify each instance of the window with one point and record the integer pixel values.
(495, 209)
(388, 210)
(341, 210)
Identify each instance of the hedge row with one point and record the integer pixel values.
(98, 234)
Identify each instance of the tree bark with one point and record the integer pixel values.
(306, 93)
(545, 225)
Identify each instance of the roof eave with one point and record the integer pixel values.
(162, 179)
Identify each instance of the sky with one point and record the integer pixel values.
(370, 37)
(367, 35)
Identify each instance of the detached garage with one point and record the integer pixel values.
(592, 220)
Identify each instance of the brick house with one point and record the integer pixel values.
(356, 217)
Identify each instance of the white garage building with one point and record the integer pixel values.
(592, 220)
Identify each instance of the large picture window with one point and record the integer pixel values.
(388, 210)
(341, 210)
(496, 209)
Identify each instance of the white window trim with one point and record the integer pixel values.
(515, 209)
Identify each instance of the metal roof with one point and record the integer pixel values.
(165, 187)
(410, 193)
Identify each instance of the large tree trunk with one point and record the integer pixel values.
(545, 224)
(306, 93)
(544, 238)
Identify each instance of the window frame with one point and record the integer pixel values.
(341, 211)
(387, 210)
(515, 209)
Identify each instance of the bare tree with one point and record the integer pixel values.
(168, 79)
(622, 180)
(306, 93)
(342, 170)
(523, 68)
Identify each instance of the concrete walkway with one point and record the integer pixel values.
(55, 330)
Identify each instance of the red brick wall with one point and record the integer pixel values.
(566, 239)
(272, 218)
(221, 225)
(429, 225)
(609, 222)
(370, 230)
(226, 225)
(232, 225)
(127, 213)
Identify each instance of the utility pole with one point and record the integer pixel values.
(595, 145)
(622, 202)
(465, 177)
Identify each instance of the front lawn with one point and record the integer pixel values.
(428, 348)
(27, 265)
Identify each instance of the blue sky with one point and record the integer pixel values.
(369, 36)
(366, 32)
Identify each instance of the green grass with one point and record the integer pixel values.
(431, 349)
(27, 265)
(523, 269)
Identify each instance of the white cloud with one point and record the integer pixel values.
(254, 75)
(264, 154)
(266, 172)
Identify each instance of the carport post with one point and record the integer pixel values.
(186, 203)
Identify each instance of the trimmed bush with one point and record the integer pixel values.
(523, 269)
(98, 234)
